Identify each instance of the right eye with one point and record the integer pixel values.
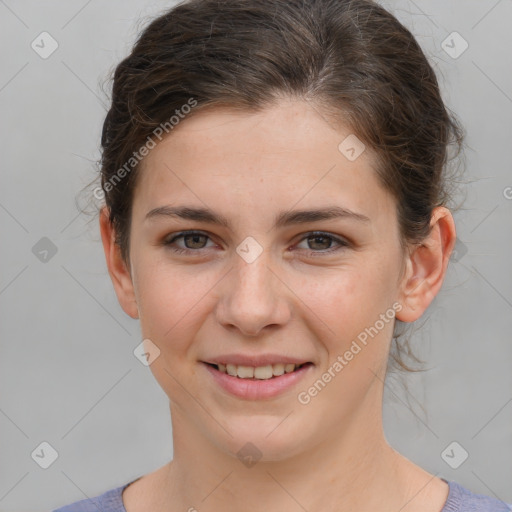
(192, 238)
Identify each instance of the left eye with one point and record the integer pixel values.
(194, 238)
(324, 239)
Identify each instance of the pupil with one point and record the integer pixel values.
(321, 237)
(194, 238)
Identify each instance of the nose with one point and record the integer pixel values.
(253, 297)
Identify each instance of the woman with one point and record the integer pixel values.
(275, 200)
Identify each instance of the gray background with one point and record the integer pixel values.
(67, 369)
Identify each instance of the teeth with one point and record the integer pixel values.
(278, 369)
(263, 372)
(259, 372)
(245, 372)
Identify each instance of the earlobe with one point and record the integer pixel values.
(117, 268)
(426, 266)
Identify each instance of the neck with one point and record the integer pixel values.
(354, 469)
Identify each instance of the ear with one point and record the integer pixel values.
(426, 266)
(117, 268)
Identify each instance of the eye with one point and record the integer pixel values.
(322, 241)
(195, 241)
(192, 238)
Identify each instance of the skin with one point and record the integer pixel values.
(249, 167)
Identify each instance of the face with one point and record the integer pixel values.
(305, 289)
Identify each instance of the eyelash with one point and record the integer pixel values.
(178, 250)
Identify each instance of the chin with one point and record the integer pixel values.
(263, 441)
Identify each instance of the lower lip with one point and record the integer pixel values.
(256, 389)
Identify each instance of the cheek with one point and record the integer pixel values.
(170, 309)
(169, 298)
(351, 303)
(348, 300)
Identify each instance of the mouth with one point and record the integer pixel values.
(267, 372)
(256, 383)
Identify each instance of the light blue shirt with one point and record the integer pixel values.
(459, 499)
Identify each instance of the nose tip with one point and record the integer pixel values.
(252, 299)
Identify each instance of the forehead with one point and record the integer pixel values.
(288, 154)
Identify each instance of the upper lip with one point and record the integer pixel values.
(255, 361)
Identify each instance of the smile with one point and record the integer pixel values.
(257, 382)
(259, 372)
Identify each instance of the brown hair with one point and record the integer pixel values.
(351, 58)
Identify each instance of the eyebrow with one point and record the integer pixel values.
(284, 218)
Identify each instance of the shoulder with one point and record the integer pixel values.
(109, 501)
(461, 499)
